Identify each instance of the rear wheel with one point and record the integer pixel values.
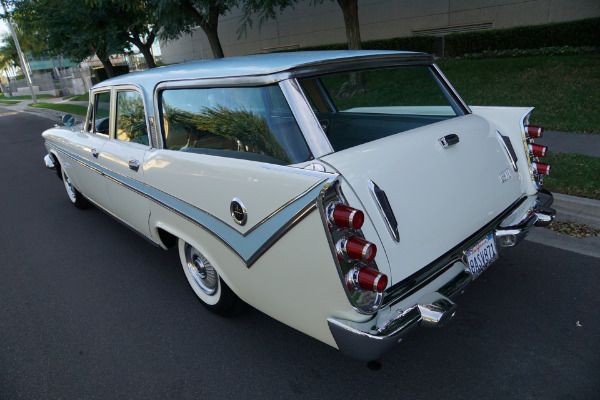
(74, 195)
(214, 294)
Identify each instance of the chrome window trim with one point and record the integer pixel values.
(88, 113)
(205, 83)
(138, 89)
(305, 118)
(450, 88)
(93, 93)
(248, 246)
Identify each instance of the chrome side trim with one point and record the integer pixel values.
(249, 246)
(512, 157)
(392, 228)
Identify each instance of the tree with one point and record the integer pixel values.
(76, 29)
(145, 20)
(203, 13)
(268, 9)
(8, 52)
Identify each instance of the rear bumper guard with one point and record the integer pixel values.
(370, 340)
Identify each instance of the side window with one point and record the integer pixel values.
(253, 123)
(101, 113)
(131, 118)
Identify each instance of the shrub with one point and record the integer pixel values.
(578, 33)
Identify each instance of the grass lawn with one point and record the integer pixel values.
(67, 108)
(8, 102)
(78, 97)
(573, 174)
(564, 89)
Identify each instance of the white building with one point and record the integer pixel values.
(306, 25)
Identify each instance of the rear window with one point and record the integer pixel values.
(358, 107)
(253, 123)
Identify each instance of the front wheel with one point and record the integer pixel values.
(214, 294)
(74, 195)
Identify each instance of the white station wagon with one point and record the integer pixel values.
(348, 194)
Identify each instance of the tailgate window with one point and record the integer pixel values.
(358, 107)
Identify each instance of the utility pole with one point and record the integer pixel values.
(21, 58)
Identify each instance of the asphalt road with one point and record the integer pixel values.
(89, 310)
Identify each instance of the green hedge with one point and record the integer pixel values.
(578, 33)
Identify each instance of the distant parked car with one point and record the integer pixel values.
(350, 195)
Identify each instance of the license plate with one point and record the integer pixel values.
(480, 256)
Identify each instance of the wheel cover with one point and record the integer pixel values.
(69, 187)
(201, 270)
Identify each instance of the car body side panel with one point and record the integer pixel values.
(211, 183)
(132, 207)
(78, 161)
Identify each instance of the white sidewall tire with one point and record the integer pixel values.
(208, 299)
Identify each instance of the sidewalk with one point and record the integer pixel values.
(565, 142)
(54, 115)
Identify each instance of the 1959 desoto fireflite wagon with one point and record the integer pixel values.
(350, 195)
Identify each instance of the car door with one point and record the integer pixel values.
(85, 156)
(123, 156)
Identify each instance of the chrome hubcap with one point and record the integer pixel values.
(201, 270)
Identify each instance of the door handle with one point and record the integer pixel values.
(95, 153)
(134, 165)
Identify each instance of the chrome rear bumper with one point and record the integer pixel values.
(367, 341)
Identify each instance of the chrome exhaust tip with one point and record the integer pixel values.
(436, 310)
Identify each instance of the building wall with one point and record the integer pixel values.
(306, 25)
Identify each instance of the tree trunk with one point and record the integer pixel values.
(108, 67)
(215, 43)
(350, 11)
(209, 25)
(145, 49)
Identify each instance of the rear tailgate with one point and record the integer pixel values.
(439, 195)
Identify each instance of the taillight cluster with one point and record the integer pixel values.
(538, 169)
(355, 253)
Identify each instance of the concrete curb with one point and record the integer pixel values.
(589, 246)
(577, 209)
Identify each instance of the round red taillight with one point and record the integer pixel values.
(346, 217)
(372, 280)
(538, 150)
(541, 168)
(534, 131)
(355, 248)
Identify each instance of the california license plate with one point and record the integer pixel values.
(480, 256)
